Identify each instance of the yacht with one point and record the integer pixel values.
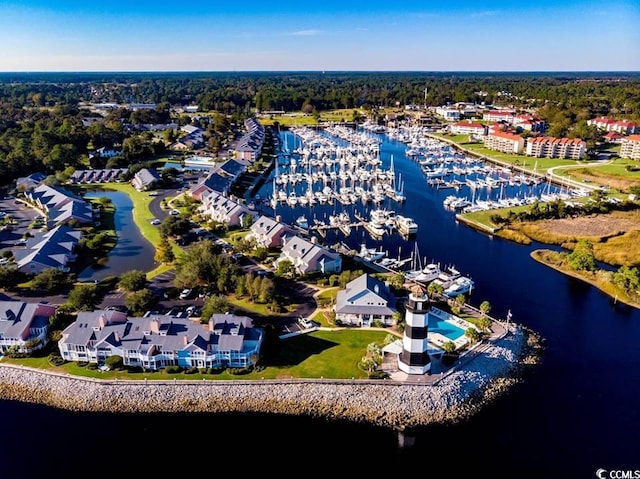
(406, 225)
(370, 254)
(460, 285)
(302, 222)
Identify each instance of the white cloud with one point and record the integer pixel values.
(306, 33)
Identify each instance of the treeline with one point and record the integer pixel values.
(230, 92)
(41, 114)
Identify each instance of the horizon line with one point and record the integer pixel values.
(316, 71)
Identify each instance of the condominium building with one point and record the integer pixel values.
(550, 147)
(156, 341)
(468, 128)
(630, 147)
(505, 142)
(507, 116)
(625, 127)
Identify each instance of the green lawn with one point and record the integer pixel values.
(327, 354)
(539, 165)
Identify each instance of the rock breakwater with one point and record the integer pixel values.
(382, 402)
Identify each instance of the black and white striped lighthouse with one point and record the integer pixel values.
(414, 358)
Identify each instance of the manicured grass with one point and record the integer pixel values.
(300, 119)
(257, 308)
(326, 354)
(538, 165)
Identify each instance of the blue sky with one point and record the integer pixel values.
(142, 35)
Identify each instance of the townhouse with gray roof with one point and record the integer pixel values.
(268, 232)
(55, 248)
(24, 326)
(145, 179)
(30, 182)
(222, 209)
(309, 257)
(105, 175)
(60, 206)
(156, 341)
(364, 301)
(249, 146)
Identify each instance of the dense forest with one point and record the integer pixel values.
(41, 114)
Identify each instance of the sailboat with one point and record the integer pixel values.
(419, 273)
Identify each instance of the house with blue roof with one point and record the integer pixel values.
(215, 182)
(365, 301)
(156, 341)
(232, 169)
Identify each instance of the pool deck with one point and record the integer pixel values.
(438, 369)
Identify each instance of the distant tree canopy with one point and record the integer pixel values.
(42, 115)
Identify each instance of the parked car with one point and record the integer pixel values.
(155, 222)
(174, 212)
(185, 293)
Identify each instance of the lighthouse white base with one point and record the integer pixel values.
(409, 369)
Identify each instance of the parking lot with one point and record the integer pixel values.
(23, 216)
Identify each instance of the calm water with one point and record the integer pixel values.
(132, 251)
(578, 412)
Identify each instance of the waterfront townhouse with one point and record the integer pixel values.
(222, 209)
(24, 326)
(232, 169)
(60, 206)
(364, 302)
(214, 182)
(630, 147)
(505, 142)
(249, 146)
(309, 257)
(268, 232)
(157, 341)
(468, 128)
(55, 248)
(550, 147)
(145, 179)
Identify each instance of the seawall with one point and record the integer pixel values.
(382, 402)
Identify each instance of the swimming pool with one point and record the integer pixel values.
(445, 328)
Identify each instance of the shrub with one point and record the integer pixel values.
(173, 369)
(240, 371)
(55, 359)
(114, 362)
(192, 370)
